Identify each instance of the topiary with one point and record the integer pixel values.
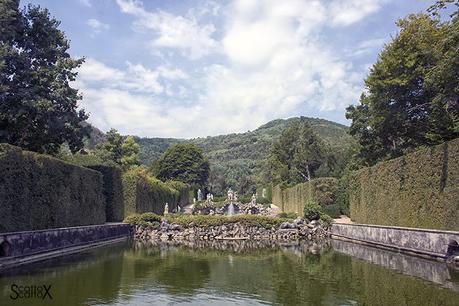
(312, 210)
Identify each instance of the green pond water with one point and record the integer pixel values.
(235, 274)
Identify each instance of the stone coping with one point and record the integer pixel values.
(415, 229)
(61, 228)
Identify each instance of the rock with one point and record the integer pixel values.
(175, 227)
(314, 223)
(298, 221)
(285, 225)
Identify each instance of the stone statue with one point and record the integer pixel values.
(254, 199)
(199, 195)
(209, 198)
(230, 194)
(263, 193)
(166, 209)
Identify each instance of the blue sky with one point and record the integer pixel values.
(186, 69)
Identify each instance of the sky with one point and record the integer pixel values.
(187, 69)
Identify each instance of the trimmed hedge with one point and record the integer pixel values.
(420, 189)
(39, 192)
(113, 188)
(184, 192)
(143, 193)
(321, 190)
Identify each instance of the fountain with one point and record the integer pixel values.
(231, 209)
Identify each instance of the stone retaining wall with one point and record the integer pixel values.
(28, 243)
(429, 270)
(432, 243)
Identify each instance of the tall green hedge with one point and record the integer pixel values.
(321, 190)
(420, 189)
(113, 188)
(39, 192)
(143, 193)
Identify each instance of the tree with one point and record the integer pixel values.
(38, 108)
(411, 95)
(185, 163)
(111, 148)
(297, 154)
(443, 4)
(129, 153)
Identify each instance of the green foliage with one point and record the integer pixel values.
(321, 190)
(443, 4)
(236, 156)
(113, 191)
(217, 220)
(312, 210)
(129, 153)
(297, 155)
(420, 189)
(342, 196)
(288, 215)
(110, 149)
(38, 108)
(144, 193)
(412, 94)
(325, 218)
(185, 163)
(40, 192)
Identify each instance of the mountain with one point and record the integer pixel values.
(240, 155)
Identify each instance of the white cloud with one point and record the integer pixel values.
(173, 31)
(86, 3)
(97, 26)
(347, 12)
(272, 62)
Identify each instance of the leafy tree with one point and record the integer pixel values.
(443, 4)
(38, 108)
(129, 153)
(111, 148)
(297, 154)
(185, 163)
(412, 92)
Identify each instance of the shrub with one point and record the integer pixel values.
(342, 197)
(143, 193)
(39, 192)
(288, 215)
(332, 210)
(264, 201)
(113, 189)
(150, 217)
(312, 210)
(420, 189)
(326, 219)
(217, 220)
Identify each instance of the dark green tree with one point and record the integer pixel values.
(185, 163)
(38, 108)
(129, 153)
(297, 155)
(412, 92)
(110, 149)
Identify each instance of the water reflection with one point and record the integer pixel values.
(433, 271)
(238, 273)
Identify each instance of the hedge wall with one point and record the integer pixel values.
(113, 188)
(143, 193)
(39, 192)
(420, 189)
(321, 190)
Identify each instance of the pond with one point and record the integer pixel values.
(333, 273)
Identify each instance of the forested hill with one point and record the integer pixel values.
(249, 147)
